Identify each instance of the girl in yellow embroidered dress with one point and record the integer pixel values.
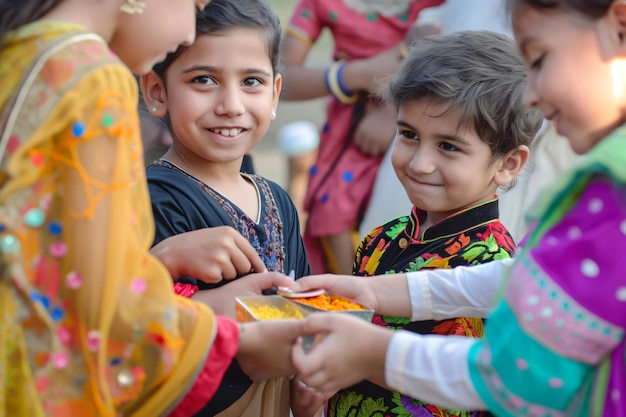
(89, 324)
(69, 182)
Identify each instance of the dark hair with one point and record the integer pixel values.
(593, 9)
(479, 74)
(221, 15)
(16, 13)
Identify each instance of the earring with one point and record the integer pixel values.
(133, 7)
(153, 109)
(273, 114)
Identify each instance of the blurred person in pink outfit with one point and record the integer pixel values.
(370, 41)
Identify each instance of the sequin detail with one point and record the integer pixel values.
(9, 244)
(60, 360)
(78, 129)
(73, 280)
(93, 340)
(138, 285)
(107, 120)
(34, 217)
(55, 228)
(58, 249)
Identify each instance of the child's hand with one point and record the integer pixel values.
(305, 401)
(357, 289)
(210, 254)
(376, 129)
(265, 347)
(351, 351)
(222, 299)
(374, 72)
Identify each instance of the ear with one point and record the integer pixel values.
(278, 85)
(511, 164)
(616, 18)
(154, 94)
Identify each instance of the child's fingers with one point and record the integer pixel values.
(328, 322)
(271, 279)
(299, 359)
(310, 365)
(251, 255)
(209, 270)
(321, 381)
(240, 262)
(313, 282)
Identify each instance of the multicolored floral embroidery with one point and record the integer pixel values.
(469, 238)
(271, 248)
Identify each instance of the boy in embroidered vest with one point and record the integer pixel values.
(463, 131)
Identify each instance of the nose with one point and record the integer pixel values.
(230, 101)
(190, 39)
(190, 36)
(531, 93)
(423, 160)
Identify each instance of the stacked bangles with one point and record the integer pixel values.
(335, 86)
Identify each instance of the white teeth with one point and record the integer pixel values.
(227, 132)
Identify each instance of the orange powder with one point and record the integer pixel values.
(330, 303)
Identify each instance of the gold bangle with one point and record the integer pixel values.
(333, 85)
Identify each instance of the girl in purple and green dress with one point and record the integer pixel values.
(463, 131)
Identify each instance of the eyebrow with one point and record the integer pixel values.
(209, 68)
(445, 136)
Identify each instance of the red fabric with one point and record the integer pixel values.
(185, 290)
(341, 181)
(221, 355)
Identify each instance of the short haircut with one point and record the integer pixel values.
(480, 75)
(220, 16)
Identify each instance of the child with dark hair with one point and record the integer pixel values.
(554, 343)
(90, 325)
(220, 95)
(463, 131)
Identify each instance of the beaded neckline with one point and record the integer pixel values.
(270, 246)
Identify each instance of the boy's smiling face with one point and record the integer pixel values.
(444, 168)
(221, 96)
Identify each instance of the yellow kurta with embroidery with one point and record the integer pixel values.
(89, 325)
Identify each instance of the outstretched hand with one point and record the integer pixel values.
(354, 288)
(351, 351)
(376, 130)
(209, 254)
(265, 347)
(222, 299)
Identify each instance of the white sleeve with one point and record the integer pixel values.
(432, 368)
(458, 292)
